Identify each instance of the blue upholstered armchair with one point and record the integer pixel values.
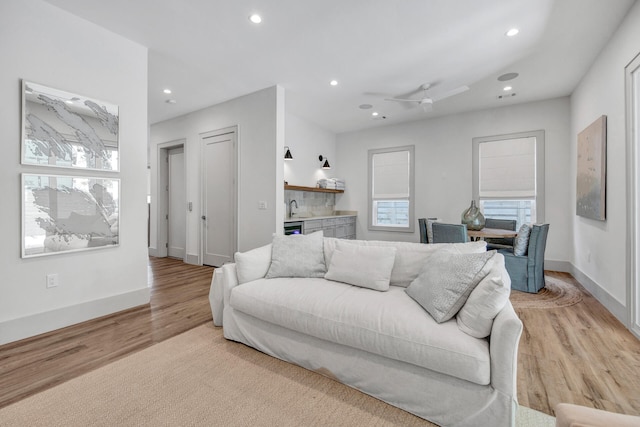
(527, 271)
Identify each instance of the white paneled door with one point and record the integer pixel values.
(219, 197)
(177, 220)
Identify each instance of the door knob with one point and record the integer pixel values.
(203, 217)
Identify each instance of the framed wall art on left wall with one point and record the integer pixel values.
(63, 129)
(68, 213)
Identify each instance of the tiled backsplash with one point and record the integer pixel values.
(310, 203)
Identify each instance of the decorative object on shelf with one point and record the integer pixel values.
(592, 170)
(326, 164)
(287, 154)
(67, 130)
(331, 183)
(68, 213)
(473, 218)
(311, 189)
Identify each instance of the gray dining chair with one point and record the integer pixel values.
(424, 225)
(503, 224)
(449, 233)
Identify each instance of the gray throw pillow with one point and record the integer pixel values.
(521, 243)
(297, 255)
(362, 265)
(446, 280)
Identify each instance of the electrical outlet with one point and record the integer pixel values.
(262, 204)
(52, 280)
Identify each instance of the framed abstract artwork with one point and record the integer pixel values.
(68, 213)
(63, 129)
(592, 170)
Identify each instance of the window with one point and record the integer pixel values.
(391, 189)
(508, 175)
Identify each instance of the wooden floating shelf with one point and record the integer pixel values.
(312, 189)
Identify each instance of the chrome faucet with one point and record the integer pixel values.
(292, 202)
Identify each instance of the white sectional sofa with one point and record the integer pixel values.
(390, 340)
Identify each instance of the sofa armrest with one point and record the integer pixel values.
(503, 346)
(223, 280)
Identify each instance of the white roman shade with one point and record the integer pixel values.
(508, 168)
(391, 175)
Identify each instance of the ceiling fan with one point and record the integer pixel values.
(427, 101)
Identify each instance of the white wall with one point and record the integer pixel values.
(307, 141)
(46, 45)
(600, 246)
(260, 165)
(443, 179)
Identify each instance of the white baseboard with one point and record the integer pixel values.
(192, 259)
(39, 323)
(614, 306)
(553, 265)
(153, 251)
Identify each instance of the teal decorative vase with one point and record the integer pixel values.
(473, 217)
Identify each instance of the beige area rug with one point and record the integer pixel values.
(200, 379)
(556, 293)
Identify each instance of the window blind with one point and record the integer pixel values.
(508, 168)
(391, 175)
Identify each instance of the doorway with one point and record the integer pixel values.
(219, 196)
(632, 83)
(171, 205)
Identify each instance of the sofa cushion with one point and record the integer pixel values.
(486, 300)
(389, 324)
(445, 282)
(410, 257)
(364, 266)
(253, 264)
(297, 255)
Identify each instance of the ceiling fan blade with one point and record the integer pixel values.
(452, 92)
(402, 100)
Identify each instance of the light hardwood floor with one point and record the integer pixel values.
(579, 354)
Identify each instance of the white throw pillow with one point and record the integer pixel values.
(486, 301)
(253, 264)
(297, 255)
(446, 281)
(364, 266)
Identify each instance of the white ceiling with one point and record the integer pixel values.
(207, 51)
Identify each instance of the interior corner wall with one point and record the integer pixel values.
(256, 116)
(443, 175)
(307, 141)
(43, 44)
(600, 246)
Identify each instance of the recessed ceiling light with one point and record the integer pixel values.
(374, 114)
(333, 83)
(508, 76)
(507, 88)
(365, 106)
(255, 18)
(170, 101)
(512, 32)
(167, 91)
